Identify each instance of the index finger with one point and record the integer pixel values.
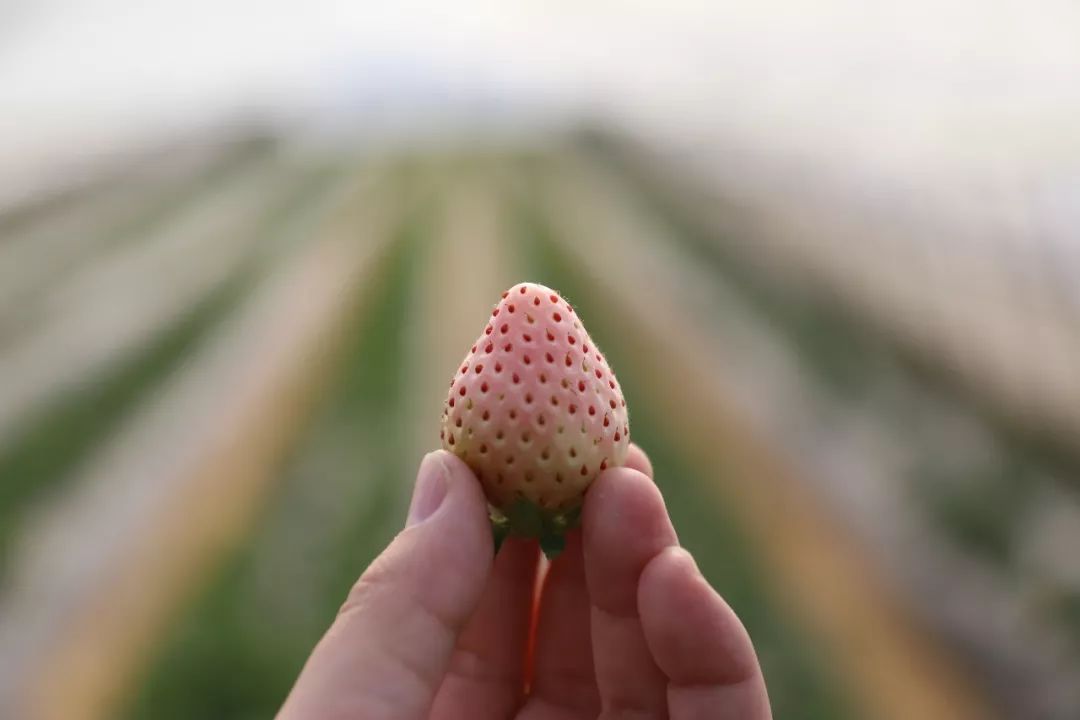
(625, 526)
(636, 459)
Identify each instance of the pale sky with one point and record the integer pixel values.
(939, 81)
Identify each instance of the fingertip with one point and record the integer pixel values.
(692, 632)
(624, 500)
(464, 496)
(636, 459)
(451, 461)
(672, 564)
(620, 482)
(459, 473)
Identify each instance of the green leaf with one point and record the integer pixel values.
(500, 530)
(552, 544)
(525, 519)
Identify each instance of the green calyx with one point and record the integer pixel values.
(524, 519)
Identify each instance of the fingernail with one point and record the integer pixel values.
(429, 491)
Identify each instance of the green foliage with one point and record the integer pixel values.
(239, 648)
(52, 444)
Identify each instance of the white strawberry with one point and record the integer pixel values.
(537, 414)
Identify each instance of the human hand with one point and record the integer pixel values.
(626, 625)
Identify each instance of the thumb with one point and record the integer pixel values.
(387, 651)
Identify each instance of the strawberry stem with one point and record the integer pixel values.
(500, 530)
(524, 519)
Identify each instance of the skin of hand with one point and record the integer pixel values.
(439, 629)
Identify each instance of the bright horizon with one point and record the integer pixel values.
(954, 87)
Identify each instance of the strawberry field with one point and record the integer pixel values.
(211, 412)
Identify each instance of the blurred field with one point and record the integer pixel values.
(216, 380)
